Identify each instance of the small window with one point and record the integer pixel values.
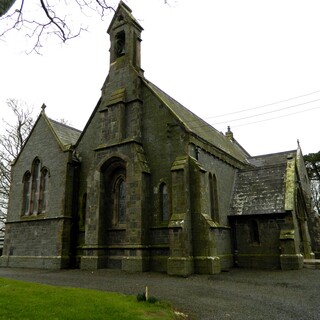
(254, 232)
(120, 44)
(164, 202)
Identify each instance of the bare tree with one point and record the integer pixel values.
(43, 18)
(312, 161)
(11, 143)
(40, 19)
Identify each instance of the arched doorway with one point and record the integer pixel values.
(113, 209)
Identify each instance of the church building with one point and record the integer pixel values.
(148, 185)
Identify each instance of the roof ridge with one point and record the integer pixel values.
(272, 154)
(188, 110)
(64, 125)
(199, 127)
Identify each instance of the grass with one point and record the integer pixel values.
(24, 300)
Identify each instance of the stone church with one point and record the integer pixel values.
(148, 185)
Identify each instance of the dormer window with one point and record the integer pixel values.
(120, 44)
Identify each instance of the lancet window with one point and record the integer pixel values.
(35, 189)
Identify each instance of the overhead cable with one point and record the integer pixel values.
(263, 106)
(268, 112)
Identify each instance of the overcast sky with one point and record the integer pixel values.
(253, 65)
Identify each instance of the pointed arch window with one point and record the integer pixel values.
(164, 202)
(26, 193)
(213, 194)
(114, 186)
(120, 200)
(35, 189)
(43, 197)
(120, 44)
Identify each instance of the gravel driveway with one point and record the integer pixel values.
(237, 294)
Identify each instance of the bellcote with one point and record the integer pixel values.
(125, 32)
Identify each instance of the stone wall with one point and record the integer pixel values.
(40, 240)
(258, 241)
(36, 244)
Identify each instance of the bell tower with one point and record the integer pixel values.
(121, 91)
(125, 38)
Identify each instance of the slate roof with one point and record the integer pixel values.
(199, 127)
(272, 159)
(261, 189)
(67, 135)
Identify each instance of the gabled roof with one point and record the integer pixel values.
(272, 158)
(261, 189)
(66, 135)
(199, 127)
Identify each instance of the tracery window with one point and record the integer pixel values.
(114, 201)
(35, 189)
(164, 202)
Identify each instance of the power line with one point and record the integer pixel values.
(263, 106)
(268, 112)
(275, 118)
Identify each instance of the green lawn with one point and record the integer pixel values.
(23, 300)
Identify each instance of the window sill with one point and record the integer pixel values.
(33, 216)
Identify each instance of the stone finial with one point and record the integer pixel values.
(43, 107)
(229, 134)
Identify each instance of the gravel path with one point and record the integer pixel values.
(237, 294)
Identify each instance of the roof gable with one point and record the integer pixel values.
(65, 136)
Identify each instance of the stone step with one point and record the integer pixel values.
(311, 263)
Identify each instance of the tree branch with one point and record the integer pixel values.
(64, 26)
